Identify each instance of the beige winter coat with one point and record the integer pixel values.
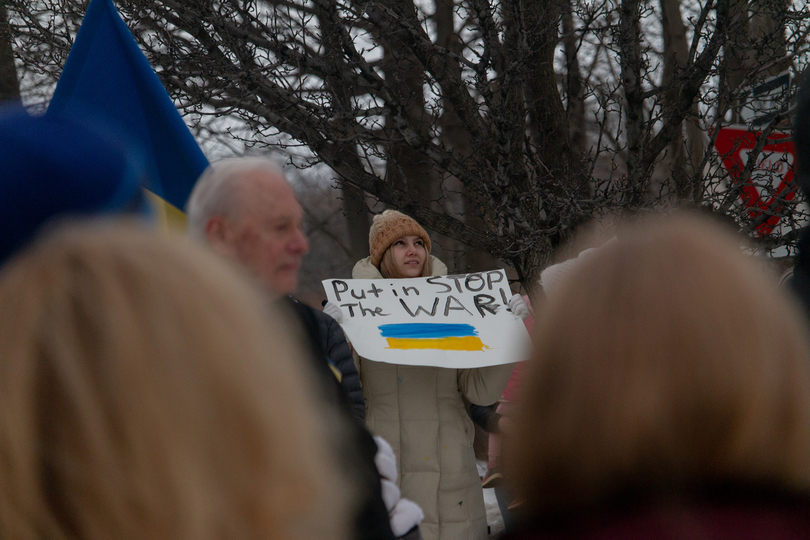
(420, 412)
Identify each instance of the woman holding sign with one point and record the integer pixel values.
(419, 409)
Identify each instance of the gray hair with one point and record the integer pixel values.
(214, 194)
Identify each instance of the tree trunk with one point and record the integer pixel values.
(631, 61)
(457, 138)
(736, 57)
(9, 83)
(354, 199)
(357, 220)
(407, 166)
(768, 34)
(685, 151)
(575, 88)
(549, 117)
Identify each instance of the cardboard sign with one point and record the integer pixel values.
(459, 321)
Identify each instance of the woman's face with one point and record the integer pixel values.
(409, 255)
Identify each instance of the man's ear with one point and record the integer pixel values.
(216, 231)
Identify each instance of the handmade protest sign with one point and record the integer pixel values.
(458, 321)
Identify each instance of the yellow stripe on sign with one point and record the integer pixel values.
(468, 343)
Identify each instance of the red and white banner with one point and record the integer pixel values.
(771, 177)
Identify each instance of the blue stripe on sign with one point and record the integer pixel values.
(426, 330)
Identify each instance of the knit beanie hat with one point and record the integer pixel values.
(555, 275)
(552, 278)
(389, 226)
(56, 167)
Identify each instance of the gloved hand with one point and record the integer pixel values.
(385, 459)
(405, 517)
(403, 514)
(333, 311)
(518, 307)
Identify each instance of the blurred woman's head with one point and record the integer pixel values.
(143, 394)
(399, 247)
(669, 361)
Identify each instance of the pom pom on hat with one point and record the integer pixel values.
(58, 166)
(552, 278)
(389, 226)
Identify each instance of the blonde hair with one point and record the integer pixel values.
(669, 361)
(390, 270)
(143, 394)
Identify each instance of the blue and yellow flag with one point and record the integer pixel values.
(445, 337)
(106, 74)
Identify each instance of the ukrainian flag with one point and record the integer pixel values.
(107, 75)
(444, 337)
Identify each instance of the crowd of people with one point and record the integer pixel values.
(157, 387)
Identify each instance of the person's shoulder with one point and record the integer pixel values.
(439, 268)
(323, 318)
(306, 314)
(363, 269)
(326, 327)
(307, 310)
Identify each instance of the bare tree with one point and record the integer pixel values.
(687, 148)
(9, 83)
(500, 124)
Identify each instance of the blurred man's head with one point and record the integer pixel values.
(801, 138)
(245, 209)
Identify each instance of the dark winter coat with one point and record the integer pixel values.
(357, 449)
(800, 282)
(337, 349)
(731, 515)
(485, 417)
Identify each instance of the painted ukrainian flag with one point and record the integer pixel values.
(445, 337)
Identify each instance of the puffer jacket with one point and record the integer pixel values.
(352, 443)
(419, 410)
(339, 353)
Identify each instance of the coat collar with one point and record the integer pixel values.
(365, 270)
